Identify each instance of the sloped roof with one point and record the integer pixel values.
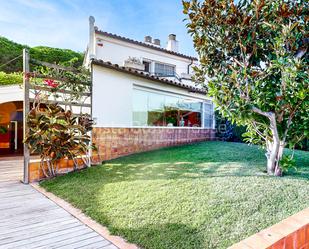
(121, 38)
(144, 75)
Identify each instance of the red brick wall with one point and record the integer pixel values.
(116, 142)
(291, 233)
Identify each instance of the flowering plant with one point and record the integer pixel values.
(51, 83)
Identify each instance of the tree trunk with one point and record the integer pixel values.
(274, 150)
(274, 145)
(274, 155)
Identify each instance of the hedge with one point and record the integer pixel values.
(10, 78)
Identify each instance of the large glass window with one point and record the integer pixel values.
(155, 109)
(208, 115)
(140, 108)
(162, 69)
(158, 109)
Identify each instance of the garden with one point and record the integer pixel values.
(204, 195)
(253, 56)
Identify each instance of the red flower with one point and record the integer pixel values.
(28, 75)
(51, 83)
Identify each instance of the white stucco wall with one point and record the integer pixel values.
(113, 96)
(11, 93)
(117, 52)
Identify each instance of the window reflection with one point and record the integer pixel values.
(156, 109)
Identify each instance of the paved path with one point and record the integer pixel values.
(30, 220)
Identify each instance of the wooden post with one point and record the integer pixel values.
(91, 97)
(26, 70)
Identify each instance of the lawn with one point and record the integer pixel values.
(205, 195)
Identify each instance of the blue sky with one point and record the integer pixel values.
(64, 23)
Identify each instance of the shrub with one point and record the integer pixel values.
(10, 50)
(10, 78)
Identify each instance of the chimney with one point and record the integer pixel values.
(157, 42)
(172, 44)
(91, 45)
(148, 39)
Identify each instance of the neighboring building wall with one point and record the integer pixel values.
(117, 142)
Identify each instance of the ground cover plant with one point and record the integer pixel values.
(204, 195)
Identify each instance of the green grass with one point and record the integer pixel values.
(205, 195)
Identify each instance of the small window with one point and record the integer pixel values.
(164, 70)
(147, 66)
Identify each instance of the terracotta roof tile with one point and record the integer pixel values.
(141, 74)
(118, 37)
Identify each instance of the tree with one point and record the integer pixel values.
(9, 50)
(254, 58)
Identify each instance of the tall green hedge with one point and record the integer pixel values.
(9, 50)
(57, 56)
(10, 78)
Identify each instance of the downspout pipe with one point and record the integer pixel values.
(188, 68)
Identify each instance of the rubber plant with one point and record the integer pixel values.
(55, 134)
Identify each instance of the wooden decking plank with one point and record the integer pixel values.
(37, 230)
(83, 242)
(35, 240)
(20, 197)
(11, 214)
(21, 193)
(34, 226)
(11, 188)
(28, 219)
(54, 241)
(67, 239)
(10, 184)
(23, 203)
(34, 234)
(97, 245)
(52, 212)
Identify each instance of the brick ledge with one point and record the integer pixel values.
(291, 233)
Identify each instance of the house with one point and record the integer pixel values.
(143, 96)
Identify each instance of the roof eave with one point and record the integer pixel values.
(121, 38)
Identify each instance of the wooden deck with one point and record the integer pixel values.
(11, 169)
(30, 220)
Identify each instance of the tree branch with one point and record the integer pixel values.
(265, 114)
